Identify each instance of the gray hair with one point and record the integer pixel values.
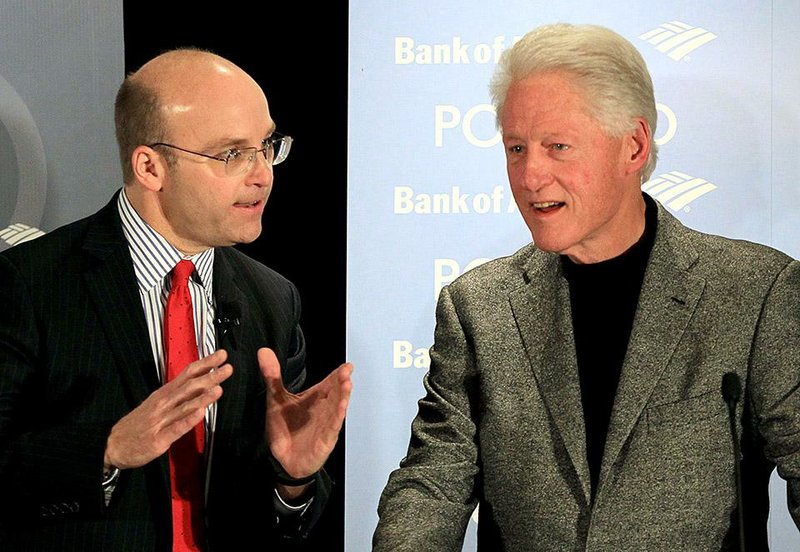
(612, 73)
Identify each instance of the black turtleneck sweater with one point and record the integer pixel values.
(604, 296)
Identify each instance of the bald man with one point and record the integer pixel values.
(92, 409)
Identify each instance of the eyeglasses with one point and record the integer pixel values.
(275, 149)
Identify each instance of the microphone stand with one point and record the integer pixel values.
(731, 391)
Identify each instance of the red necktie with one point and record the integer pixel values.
(185, 454)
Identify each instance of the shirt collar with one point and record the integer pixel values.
(153, 256)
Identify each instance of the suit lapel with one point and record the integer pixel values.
(667, 301)
(231, 317)
(230, 304)
(542, 313)
(111, 284)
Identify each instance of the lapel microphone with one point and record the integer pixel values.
(732, 392)
(227, 319)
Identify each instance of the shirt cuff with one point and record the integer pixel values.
(282, 508)
(109, 484)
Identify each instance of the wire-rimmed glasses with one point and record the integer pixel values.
(275, 149)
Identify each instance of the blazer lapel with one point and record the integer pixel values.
(542, 313)
(231, 316)
(230, 304)
(111, 283)
(667, 301)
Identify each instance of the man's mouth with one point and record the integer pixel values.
(249, 204)
(547, 206)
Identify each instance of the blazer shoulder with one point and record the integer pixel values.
(98, 232)
(53, 248)
(714, 255)
(738, 256)
(251, 276)
(243, 264)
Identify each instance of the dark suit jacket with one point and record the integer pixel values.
(75, 358)
(502, 422)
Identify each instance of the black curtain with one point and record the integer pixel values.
(298, 53)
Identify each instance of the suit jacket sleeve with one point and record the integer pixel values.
(242, 485)
(46, 467)
(774, 381)
(427, 502)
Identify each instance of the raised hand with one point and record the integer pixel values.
(303, 428)
(168, 413)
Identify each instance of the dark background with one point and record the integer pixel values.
(299, 56)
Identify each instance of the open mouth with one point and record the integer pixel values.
(548, 206)
(248, 205)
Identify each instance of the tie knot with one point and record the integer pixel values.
(181, 273)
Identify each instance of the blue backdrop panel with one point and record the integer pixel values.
(428, 195)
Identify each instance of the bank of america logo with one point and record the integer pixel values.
(677, 190)
(677, 39)
(18, 233)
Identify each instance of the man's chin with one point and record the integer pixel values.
(245, 238)
(545, 245)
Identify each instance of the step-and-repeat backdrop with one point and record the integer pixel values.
(429, 199)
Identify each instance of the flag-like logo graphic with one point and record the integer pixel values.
(676, 190)
(677, 39)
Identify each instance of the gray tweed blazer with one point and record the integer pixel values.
(501, 424)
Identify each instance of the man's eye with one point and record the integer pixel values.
(559, 147)
(515, 149)
(232, 155)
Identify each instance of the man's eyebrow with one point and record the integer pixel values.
(233, 142)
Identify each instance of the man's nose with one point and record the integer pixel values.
(536, 173)
(260, 171)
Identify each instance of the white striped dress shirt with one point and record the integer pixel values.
(153, 260)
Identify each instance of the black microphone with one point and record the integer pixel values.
(228, 317)
(732, 392)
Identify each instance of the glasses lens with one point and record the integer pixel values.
(239, 160)
(280, 148)
(275, 151)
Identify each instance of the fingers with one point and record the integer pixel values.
(335, 390)
(198, 386)
(168, 413)
(203, 374)
(340, 381)
(345, 386)
(182, 402)
(343, 377)
(345, 372)
(270, 369)
(206, 364)
(303, 428)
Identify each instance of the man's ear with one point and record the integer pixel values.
(149, 167)
(638, 142)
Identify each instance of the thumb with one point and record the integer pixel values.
(270, 369)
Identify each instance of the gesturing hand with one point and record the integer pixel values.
(303, 428)
(172, 410)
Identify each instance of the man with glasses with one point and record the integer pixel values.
(150, 373)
